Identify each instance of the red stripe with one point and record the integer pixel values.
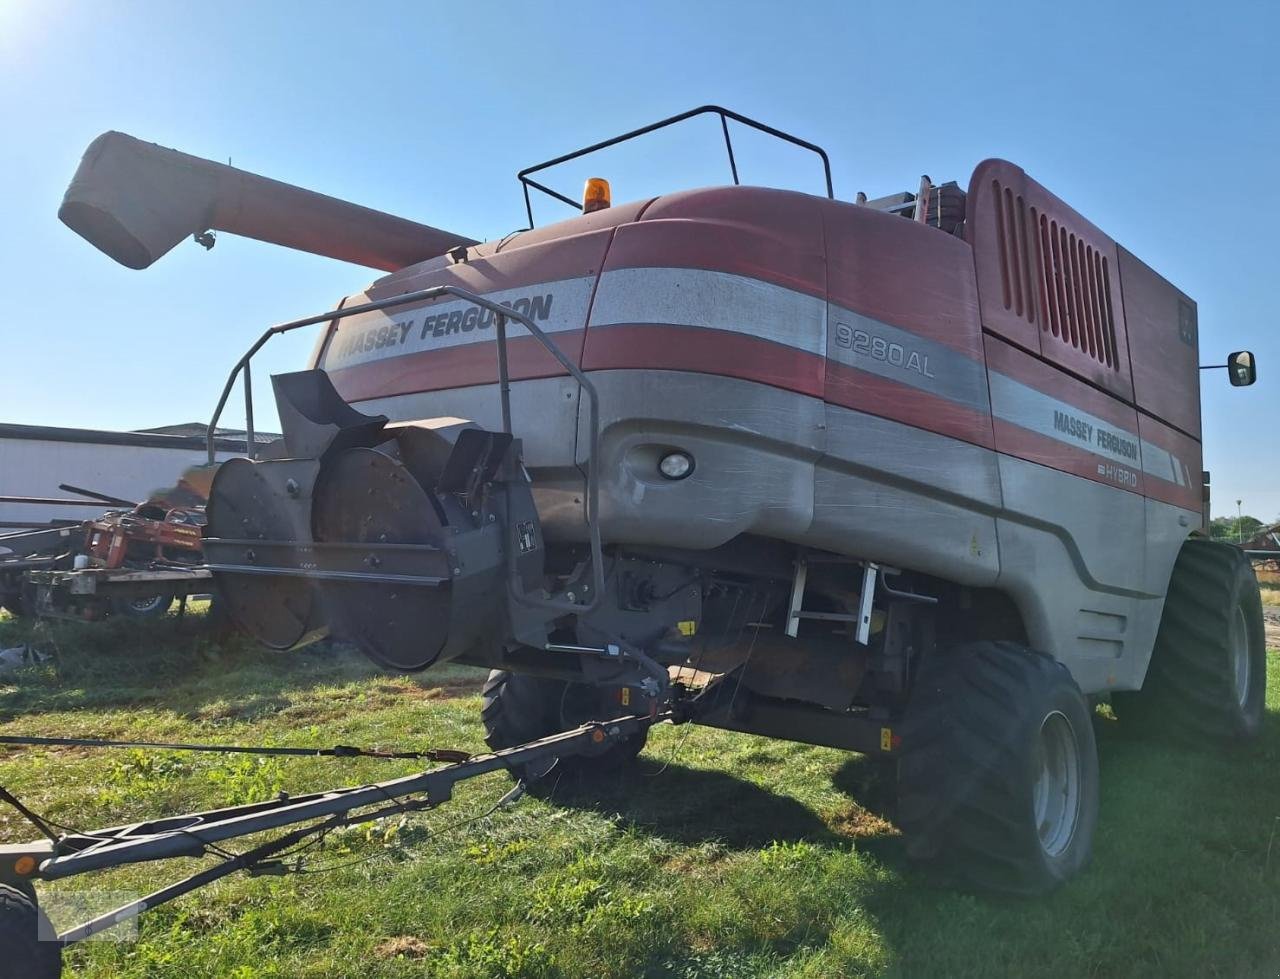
(654, 347)
(1022, 443)
(852, 388)
(672, 347)
(1189, 498)
(689, 348)
(685, 348)
(451, 367)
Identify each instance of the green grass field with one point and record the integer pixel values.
(721, 856)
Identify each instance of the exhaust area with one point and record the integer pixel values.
(135, 201)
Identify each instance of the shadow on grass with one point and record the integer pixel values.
(1185, 878)
(181, 663)
(691, 806)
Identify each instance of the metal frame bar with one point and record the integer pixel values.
(724, 114)
(502, 314)
(798, 585)
(195, 834)
(866, 600)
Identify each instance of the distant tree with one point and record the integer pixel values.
(1234, 529)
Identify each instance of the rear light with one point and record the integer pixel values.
(595, 195)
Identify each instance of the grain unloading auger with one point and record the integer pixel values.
(910, 476)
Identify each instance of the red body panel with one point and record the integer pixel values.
(884, 268)
(980, 342)
(1177, 478)
(771, 235)
(1048, 278)
(900, 272)
(1164, 344)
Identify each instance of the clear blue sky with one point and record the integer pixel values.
(1160, 121)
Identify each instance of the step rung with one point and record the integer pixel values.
(826, 616)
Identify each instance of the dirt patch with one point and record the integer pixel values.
(1271, 620)
(445, 690)
(402, 947)
(249, 709)
(860, 823)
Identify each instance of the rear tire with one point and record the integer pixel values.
(518, 708)
(22, 953)
(998, 776)
(21, 603)
(1208, 672)
(153, 607)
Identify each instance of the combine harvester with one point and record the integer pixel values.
(913, 477)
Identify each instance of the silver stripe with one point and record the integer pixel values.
(738, 304)
(712, 301)
(891, 352)
(566, 310)
(1024, 406)
(1160, 462)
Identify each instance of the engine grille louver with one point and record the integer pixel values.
(1053, 277)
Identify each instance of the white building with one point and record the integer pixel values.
(35, 459)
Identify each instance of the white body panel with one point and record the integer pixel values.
(1087, 564)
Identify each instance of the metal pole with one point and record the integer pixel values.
(437, 785)
(248, 413)
(728, 145)
(334, 314)
(504, 380)
(1239, 523)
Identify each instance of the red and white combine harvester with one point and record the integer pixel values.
(918, 477)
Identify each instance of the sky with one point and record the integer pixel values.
(1159, 121)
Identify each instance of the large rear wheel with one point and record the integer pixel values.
(1208, 672)
(998, 777)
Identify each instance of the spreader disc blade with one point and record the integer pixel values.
(365, 496)
(280, 612)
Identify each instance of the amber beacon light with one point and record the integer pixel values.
(595, 195)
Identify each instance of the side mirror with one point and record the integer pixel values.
(1242, 369)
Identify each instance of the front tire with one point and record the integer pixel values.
(518, 708)
(1208, 672)
(998, 776)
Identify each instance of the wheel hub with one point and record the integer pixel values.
(1240, 660)
(1057, 788)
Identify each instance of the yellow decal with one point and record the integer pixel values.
(626, 696)
(886, 739)
(688, 627)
